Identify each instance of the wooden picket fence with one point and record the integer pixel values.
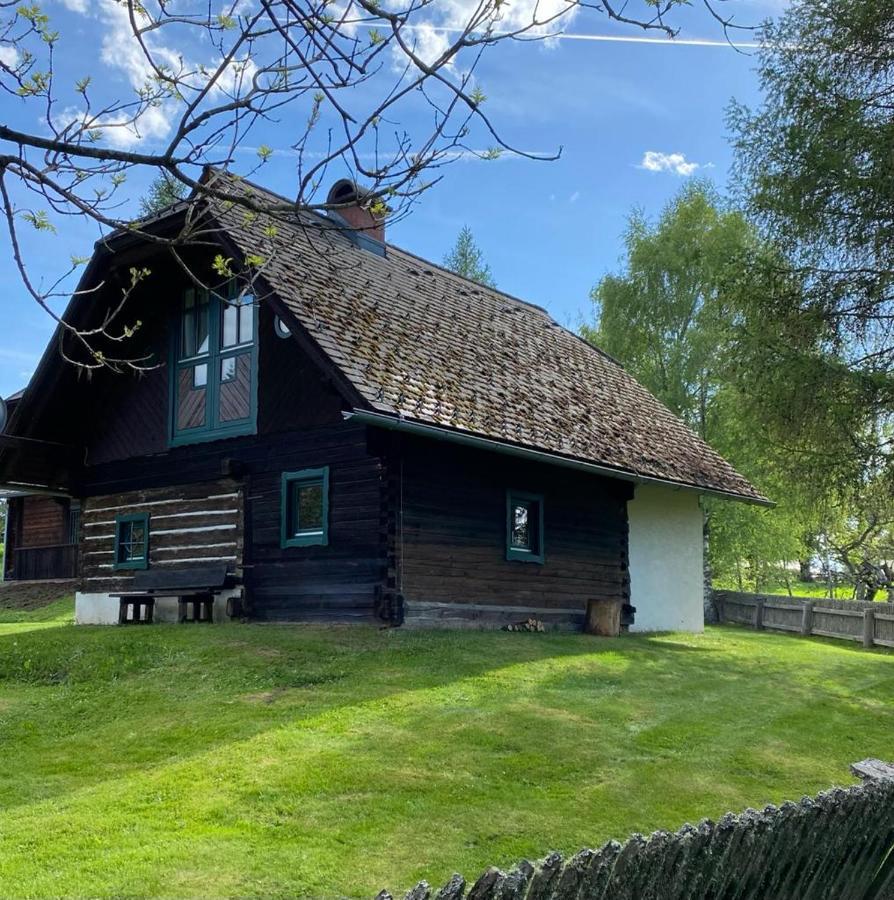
(836, 846)
(871, 624)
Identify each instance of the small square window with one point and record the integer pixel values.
(524, 527)
(132, 541)
(305, 508)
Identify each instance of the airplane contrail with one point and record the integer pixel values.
(610, 38)
(680, 42)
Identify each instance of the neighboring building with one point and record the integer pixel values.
(372, 439)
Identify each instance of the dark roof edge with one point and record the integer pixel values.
(452, 435)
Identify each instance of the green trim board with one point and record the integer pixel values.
(215, 365)
(124, 529)
(524, 538)
(299, 488)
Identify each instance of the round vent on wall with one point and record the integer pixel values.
(282, 330)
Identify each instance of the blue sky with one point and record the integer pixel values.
(549, 230)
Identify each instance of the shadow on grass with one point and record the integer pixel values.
(125, 699)
(386, 755)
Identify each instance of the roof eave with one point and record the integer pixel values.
(452, 435)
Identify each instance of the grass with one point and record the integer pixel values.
(817, 590)
(58, 612)
(289, 761)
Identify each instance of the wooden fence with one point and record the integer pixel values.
(832, 847)
(868, 623)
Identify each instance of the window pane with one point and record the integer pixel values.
(188, 332)
(229, 324)
(131, 541)
(235, 392)
(521, 525)
(307, 502)
(194, 330)
(246, 320)
(191, 397)
(124, 541)
(137, 534)
(227, 369)
(202, 332)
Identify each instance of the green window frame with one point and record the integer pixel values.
(214, 351)
(131, 552)
(524, 527)
(307, 490)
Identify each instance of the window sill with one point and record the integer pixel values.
(219, 434)
(524, 556)
(131, 565)
(319, 539)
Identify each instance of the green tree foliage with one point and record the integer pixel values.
(814, 168)
(163, 191)
(466, 259)
(666, 316)
(674, 317)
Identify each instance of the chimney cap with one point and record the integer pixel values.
(345, 191)
(366, 228)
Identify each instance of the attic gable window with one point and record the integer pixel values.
(524, 527)
(214, 382)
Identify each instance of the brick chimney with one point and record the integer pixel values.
(351, 202)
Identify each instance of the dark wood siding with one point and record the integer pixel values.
(188, 525)
(338, 582)
(452, 534)
(124, 421)
(292, 392)
(43, 521)
(38, 538)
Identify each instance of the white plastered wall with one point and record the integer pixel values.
(666, 559)
(102, 609)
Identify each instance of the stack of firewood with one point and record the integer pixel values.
(534, 625)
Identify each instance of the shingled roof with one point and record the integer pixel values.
(421, 343)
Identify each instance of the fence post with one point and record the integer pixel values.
(759, 614)
(807, 619)
(868, 627)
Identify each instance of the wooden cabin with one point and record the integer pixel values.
(363, 436)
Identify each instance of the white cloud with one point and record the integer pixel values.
(542, 17)
(427, 42)
(236, 77)
(9, 56)
(574, 197)
(122, 51)
(446, 19)
(656, 161)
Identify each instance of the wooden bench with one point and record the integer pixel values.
(195, 589)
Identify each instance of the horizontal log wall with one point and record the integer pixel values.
(188, 525)
(452, 539)
(338, 582)
(867, 623)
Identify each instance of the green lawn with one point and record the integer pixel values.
(284, 761)
(817, 590)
